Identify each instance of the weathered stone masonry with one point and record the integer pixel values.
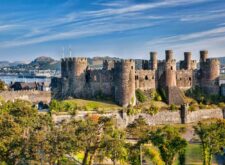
(120, 79)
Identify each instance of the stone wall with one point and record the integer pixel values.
(204, 114)
(161, 118)
(184, 78)
(145, 79)
(100, 81)
(29, 95)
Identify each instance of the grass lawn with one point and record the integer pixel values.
(91, 105)
(159, 104)
(194, 155)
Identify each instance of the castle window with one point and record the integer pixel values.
(171, 68)
(136, 77)
(153, 77)
(190, 78)
(146, 77)
(132, 67)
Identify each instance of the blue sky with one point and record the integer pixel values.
(120, 28)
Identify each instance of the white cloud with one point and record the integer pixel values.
(213, 40)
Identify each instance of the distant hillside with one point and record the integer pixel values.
(42, 63)
(45, 63)
(10, 64)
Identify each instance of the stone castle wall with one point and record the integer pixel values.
(145, 79)
(185, 79)
(29, 95)
(161, 118)
(119, 79)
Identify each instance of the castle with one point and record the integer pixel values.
(120, 79)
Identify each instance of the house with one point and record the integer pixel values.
(24, 86)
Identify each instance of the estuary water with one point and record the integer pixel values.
(9, 79)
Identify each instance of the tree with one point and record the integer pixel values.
(114, 146)
(138, 129)
(169, 142)
(10, 135)
(212, 136)
(2, 86)
(153, 154)
(89, 133)
(16, 121)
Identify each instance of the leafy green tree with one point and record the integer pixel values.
(169, 142)
(114, 146)
(55, 106)
(10, 135)
(138, 129)
(89, 133)
(212, 136)
(153, 154)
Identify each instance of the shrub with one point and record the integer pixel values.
(193, 107)
(69, 107)
(55, 106)
(221, 105)
(133, 111)
(162, 93)
(173, 107)
(152, 110)
(202, 106)
(158, 98)
(140, 96)
(2, 86)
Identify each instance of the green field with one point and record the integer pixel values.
(91, 105)
(194, 155)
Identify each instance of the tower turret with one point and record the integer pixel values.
(187, 60)
(64, 68)
(153, 60)
(125, 83)
(169, 55)
(170, 69)
(203, 55)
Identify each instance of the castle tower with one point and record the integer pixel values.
(78, 73)
(214, 70)
(125, 83)
(153, 61)
(203, 66)
(209, 73)
(203, 55)
(170, 69)
(187, 60)
(169, 55)
(64, 68)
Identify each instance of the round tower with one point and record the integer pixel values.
(153, 60)
(170, 74)
(169, 55)
(170, 69)
(64, 69)
(214, 69)
(78, 72)
(187, 60)
(79, 66)
(125, 83)
(203, 55)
